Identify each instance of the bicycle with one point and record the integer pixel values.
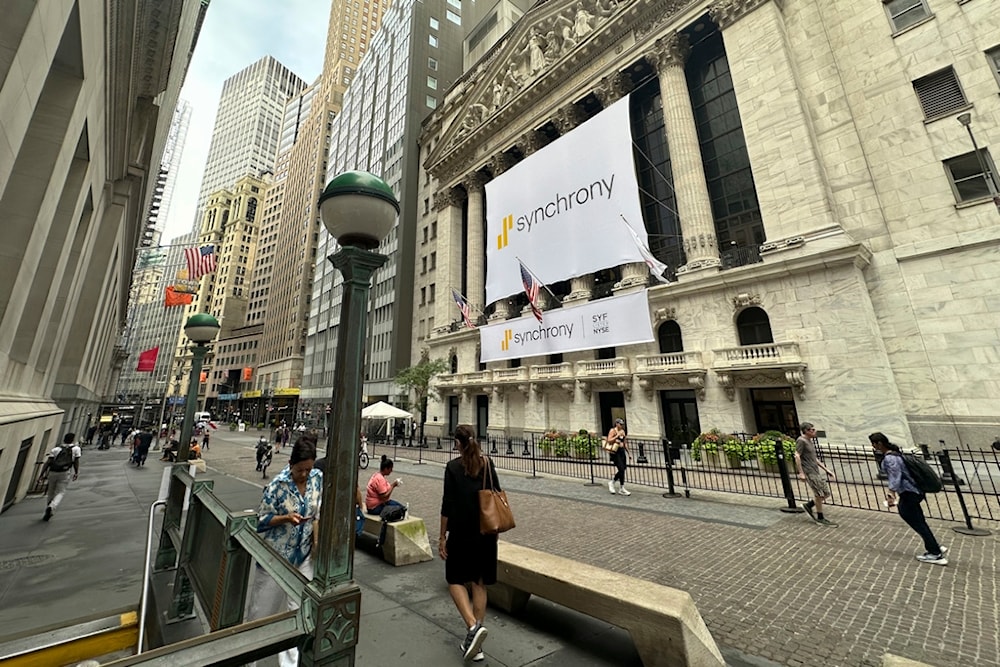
(363, 460)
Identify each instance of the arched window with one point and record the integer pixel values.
(669, 335)
(754, 327)
(454, 363)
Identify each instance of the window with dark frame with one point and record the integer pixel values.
(968, 181)
(993, 55)
(940, 93)
(904, 13)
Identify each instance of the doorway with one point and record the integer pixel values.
(612, 406)
(680, 415)
(452, 415)
(15, 475)
(774, 410)
(482, 416)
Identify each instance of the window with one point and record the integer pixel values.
(904, 13)
(754, 327)
(432, 83)
(435, 24)
(432, 64)
(669, 335)
(940, 93)
(423, 265)
(431, 102)
(432, 40)
(427, 209)
(968, 181)
(993, 55)
(453, 17)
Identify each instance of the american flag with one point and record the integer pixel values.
(463, 305)
(200, 261)
(531, 287)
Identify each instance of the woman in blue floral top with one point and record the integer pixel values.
(286, 520)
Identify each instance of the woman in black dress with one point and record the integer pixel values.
(470, 557)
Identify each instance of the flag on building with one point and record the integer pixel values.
(463, 305)
(247, 373)
(656, 267)
(147, 360)
(531, 287)
(200, 261)
(176, 298)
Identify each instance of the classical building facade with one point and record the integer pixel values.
(87, 93)
(828, 229)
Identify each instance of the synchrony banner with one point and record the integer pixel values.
(618, 320)
(560, 210)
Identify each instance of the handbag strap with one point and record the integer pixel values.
(486, 473)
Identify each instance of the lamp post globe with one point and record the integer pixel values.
(358, 209)
(201, 328)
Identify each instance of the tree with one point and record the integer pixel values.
(418, 378)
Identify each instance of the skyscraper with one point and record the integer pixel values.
(414, 57)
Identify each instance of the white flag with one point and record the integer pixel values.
(656, 267)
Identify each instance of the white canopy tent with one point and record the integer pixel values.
(383, 410)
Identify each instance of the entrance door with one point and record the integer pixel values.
(680, 415)
(452, 414)
(15, 476)
(774, 410)
(612, 404)
(482, 416)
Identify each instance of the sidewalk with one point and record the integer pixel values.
(88, 559)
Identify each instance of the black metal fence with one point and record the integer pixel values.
(971, 476)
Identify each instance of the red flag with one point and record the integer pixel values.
(175, 298)
(147, 360)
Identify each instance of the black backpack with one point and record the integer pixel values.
(63, 460)
(922, 474)
(393, 513)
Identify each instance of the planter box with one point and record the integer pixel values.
(713, 459)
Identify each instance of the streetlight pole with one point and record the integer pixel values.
(359, 210)
(966, 120)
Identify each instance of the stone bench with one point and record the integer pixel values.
(663, 622)
(406, 541)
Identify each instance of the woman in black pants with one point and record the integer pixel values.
(619, 453)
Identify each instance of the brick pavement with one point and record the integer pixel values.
(770, 584)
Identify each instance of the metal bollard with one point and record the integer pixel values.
(510, 447)
(786, 481)
(968, 528)
(493, 445)
(948, 474)
(642, 454)
(667, 456)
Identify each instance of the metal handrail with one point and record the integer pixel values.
(145, 575)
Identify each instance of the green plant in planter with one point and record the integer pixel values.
(554, 443)
(584, 444)
(707, 442)
(764, 444)
(738, 450)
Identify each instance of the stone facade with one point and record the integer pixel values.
(876, 274)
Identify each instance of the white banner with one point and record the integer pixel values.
(560, 209)
(618, 320)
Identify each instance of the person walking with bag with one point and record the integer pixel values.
(616, 447)
(904, 493)
(470, 557)
(57, 467)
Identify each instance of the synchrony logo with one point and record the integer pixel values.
(538, 333)
(561, 203)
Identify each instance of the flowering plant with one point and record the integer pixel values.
(708, 442)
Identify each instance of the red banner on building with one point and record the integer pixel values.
(147, 360)
(247, 373)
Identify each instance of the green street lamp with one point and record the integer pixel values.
(200, 329)
(358, 210)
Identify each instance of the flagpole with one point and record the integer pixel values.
(557, 299)
(471, 305)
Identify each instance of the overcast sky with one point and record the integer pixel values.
(235, 34)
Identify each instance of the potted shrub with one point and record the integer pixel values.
(764, 443)
(736, 451)
(584, 444)
(552, 443)
(707, 445)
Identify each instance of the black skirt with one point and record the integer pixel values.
(471, 557)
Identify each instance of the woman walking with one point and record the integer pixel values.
(470, 557)
(903, 492)
(286, 520)
(619, 453)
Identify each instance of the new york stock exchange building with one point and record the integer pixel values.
(823, 236)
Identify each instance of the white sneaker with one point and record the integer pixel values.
(625, 492)
(933, 559)
(611, 487)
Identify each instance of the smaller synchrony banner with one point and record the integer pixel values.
(618, 320)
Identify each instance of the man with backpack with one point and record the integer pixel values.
(58, 467)
(909, 479)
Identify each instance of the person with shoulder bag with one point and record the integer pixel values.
(63, 460)
(615, 445)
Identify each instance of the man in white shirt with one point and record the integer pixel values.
(62, 461)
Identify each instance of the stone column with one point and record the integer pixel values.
(500, 163)
(447, 203)
(581, 288)
(694, 207)
(531, 141)
(567, 118)
(475, 262)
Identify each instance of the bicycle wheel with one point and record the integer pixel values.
(363, 461)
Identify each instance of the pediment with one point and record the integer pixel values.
(545, 36)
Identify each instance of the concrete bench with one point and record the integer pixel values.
(663, 622)
(406, 541)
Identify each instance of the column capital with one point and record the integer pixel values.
(447, 197)
(568, 117)
(612, 88)
(531, 141)
(474, 181)
(727, 12)
(501, 162)
(670, 51)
